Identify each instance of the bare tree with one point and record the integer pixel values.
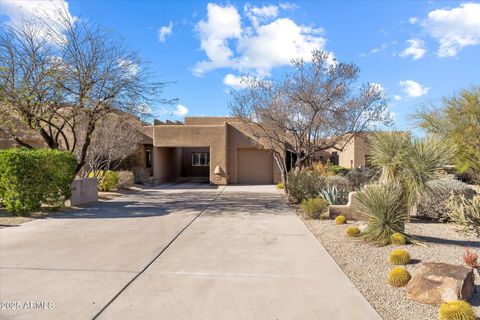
(313, 108)
(115, 139)
(81, 74)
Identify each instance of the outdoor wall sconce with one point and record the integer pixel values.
(217, 172)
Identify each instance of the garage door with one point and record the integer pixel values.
(254, 166)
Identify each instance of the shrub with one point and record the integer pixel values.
(339, 181)
(398, 238)
(313, 208)
(352, 231)
(126, 179)
(385, 209)
(30, 178)
(399, 256)
(399, 277)
(305, 184)
(434, 205)
(359, 177)
(470, 258)
(107, 180)
(456, 310)
(280, 185)
(466, 214)
(334, 195)
(340, 219)
(338, 170)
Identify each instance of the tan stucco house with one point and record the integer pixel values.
(218, 150)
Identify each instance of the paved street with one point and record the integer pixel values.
(179, 251)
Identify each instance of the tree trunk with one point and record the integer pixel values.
(88, 140)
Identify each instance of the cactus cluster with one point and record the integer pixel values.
(340, 219)
(352, 231)
(398, 238)
(399, 256)
(456, 310)
(399, 277)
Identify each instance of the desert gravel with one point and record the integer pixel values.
(367, 265)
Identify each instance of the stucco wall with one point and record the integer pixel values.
(84, 191)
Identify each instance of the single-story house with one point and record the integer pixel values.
(216, 148)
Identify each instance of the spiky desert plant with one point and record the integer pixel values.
(470, 258)
(334, 195)
(465, 213)
(398, 238)
(456, 310)
(340, 219)
(409, 162)
(352, 231)
(399, 277)
(399, 256)
(386, 211)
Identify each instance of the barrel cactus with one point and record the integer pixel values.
(353, 231)
(398, 238)
(340, 219)
(456, 310)
(399, 256)
(399, 277)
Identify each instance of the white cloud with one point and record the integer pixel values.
(222, 24)
(260, 14)
(260, 47)
(416, 49)
(288, 6)
(454, 28)
(165, 31)
(180, 111)
(234, 81)
(378, 86)
(131, 68)
(413, 89)
(397, 97)
(38, 12)
(413, 20)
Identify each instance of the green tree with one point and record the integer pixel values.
(457, 120)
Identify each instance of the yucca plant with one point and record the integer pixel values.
(386, 210)
(409, 162)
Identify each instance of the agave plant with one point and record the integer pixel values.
(386, 210)
(334, 195)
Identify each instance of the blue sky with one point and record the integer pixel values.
(418, 51)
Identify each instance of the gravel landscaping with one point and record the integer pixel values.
(367, 266)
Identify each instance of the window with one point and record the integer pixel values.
(200, 159)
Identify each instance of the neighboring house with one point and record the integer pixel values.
(354, 153)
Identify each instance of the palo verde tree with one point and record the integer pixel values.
(317, 106)
(61, 85)
(457, 120)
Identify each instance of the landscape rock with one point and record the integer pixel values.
(436, 283)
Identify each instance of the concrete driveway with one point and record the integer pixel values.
(175, 252)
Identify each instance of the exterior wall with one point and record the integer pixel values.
(84, 191)
(207, 121)
(213, 136)
(354, 153)
(187, 169)
(164, 164)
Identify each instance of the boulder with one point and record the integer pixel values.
(436, 283)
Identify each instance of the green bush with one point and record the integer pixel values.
(107, 180)
(386, 211)
(30, 178)
(305, 184)
(313, 208)
(338, 170)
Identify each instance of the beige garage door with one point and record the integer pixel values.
(254, 166)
